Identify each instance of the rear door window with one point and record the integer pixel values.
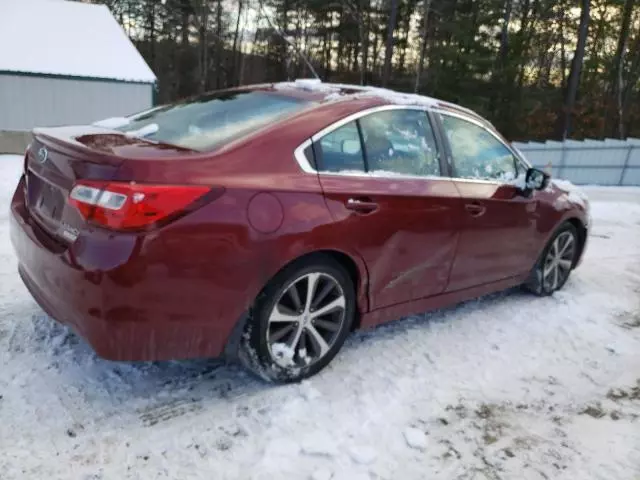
(400, 142)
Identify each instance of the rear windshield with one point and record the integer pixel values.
(210, 121)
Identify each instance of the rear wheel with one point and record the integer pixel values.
(556, 262)
(300, 320)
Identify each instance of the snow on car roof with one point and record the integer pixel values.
(341, 91)
(68, 39)
(337, 91)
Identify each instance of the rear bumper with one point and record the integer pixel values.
(112, 293)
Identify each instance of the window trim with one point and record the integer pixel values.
(307, 167)
(363, 147)
(302, 159)
(517, 158)
(445, 156)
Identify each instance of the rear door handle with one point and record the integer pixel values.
(362, 205)
(475, 209)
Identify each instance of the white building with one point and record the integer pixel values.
(65, 62)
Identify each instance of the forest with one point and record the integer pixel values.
(538, 69)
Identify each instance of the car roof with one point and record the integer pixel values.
(318, 91)
(324, 93)
(327, 103)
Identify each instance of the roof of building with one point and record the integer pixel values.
(71, 39)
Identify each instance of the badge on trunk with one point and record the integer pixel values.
(43, 154)
(68, 232)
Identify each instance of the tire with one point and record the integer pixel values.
(287, 339)
(543, 280)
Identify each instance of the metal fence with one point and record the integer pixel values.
(597, 162)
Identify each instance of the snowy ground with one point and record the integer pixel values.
(507, 387)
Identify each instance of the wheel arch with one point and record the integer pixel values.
(354, 266)
(533, 283)
(582, 236)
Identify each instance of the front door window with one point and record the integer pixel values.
(476, 153)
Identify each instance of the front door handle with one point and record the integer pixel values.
(475, 209)
(362, 205)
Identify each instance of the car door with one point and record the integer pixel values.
(380, 174)
(497, 237)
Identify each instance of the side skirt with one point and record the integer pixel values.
(394, 312)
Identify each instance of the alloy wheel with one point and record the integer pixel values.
(559, 261)
(306, 320)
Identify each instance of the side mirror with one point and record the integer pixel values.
(536, 179)
(350, 146)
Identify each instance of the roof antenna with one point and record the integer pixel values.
(284, 37)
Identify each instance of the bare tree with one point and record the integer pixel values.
(563, 50)
(426, 11)
(504, 33)
(388, 54)
(234, 51)
(576, 70)
(219, 45)
(633, 77)
(184, 84)
(498, 76)
(358, 9)
(201, 20)
(151, 28)
(617, 74)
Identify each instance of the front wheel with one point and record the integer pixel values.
(556, 262)
(300, 320)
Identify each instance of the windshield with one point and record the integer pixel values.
(212, 120)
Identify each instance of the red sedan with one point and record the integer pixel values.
(266, 223)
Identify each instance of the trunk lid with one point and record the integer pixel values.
(58, 157)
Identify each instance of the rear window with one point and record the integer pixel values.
(210, 121)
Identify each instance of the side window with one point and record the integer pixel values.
(340, 150)
(400, 141)
(477, 153)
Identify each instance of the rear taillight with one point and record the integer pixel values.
(130, 206)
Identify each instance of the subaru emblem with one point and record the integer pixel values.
(42, 155)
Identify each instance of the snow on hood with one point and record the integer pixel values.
(574, 193)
